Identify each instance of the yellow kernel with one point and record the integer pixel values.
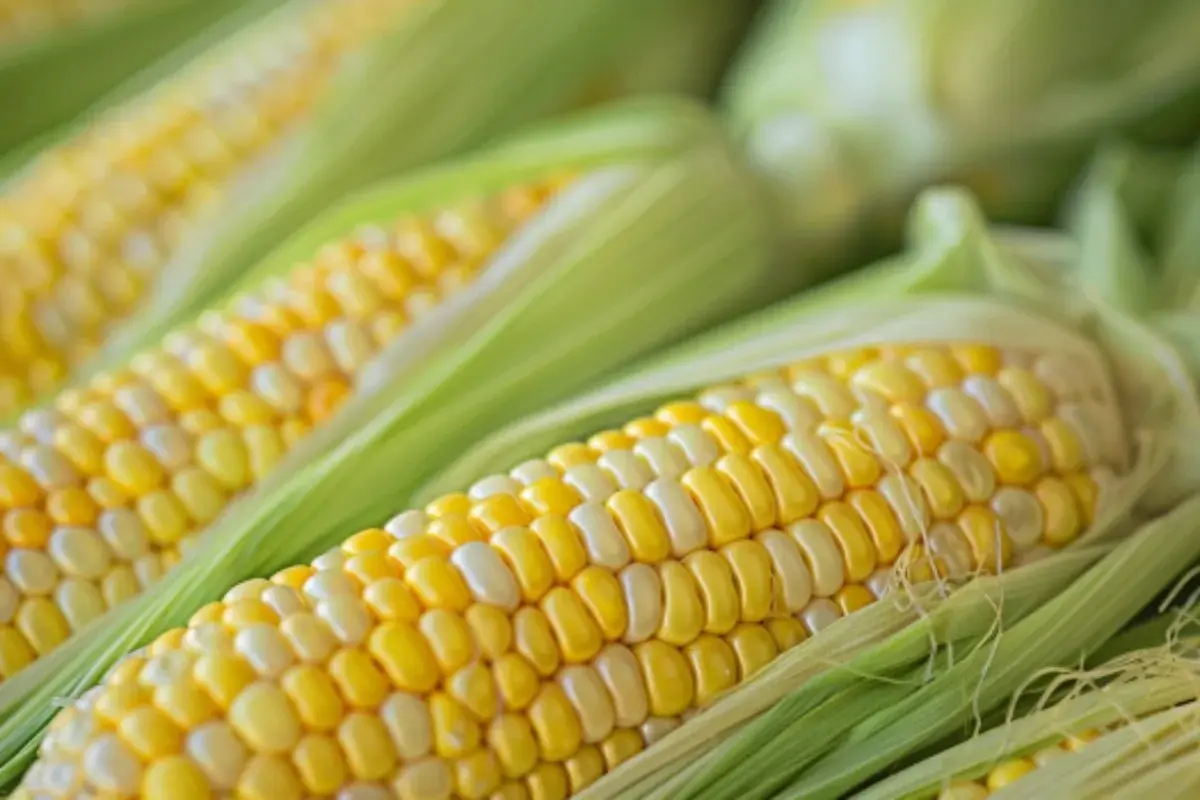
(1061, 511)
(570, 455)
(753, 576)
(680, 413)
(858, 552)
(759, 425)
(549, 496)
(921, 426)
(852, 597)
(578, 635)
(611, 440)
(670, 685)
(174, 778)
(314, 696)
(497, 512)
(555, 723)
(264, 718)
(1016, 458)
(939, 487)
(405, 655)
(1009, 772)
(27, 527)
(438, 584)
(358, 678)
(991, 547)
(714, 666)
(796, 496)
(456, 731)
(754, 648)
(980, 359)
(726, 518)
(42, 624)
(601, 593)
(728, 435)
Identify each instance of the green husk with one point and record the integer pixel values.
(47, 80)
(1059, 633)
(850, 108)
(661, 235)
(440, 83)
(955, 281)
(1146, 689)
(685, 49)
(48, 83)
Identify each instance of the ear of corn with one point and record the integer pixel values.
(47, 81)
(667, 539)
(1105, 731)
(952, 259)
(442, 49)
(90, 223)
(683, 505)
(164, 237)
(656, 218)
(863, 104)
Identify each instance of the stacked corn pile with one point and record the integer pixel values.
(779, 559)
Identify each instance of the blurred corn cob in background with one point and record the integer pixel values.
(848, 447)
(848, 109)
(411, 292)
(91, 222)
(153, 208)
(26, 19)
(47, 80)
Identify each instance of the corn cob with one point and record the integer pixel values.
(87, 227)
(524, 637)
(25, 19)
(103, 490)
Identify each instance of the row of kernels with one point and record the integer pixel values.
(148, 175)
(127, 468)
(668, 688)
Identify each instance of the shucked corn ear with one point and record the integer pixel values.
(650, 209)
(89, 225)
(862, 104)
(539, 629)
(168, 198)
